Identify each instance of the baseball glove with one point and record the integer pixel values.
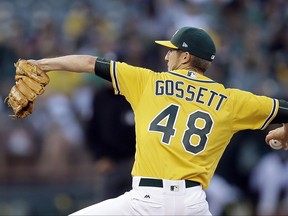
(30, 82)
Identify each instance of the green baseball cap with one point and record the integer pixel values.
(193, 40)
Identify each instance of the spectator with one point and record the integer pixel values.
(111, 139)
(269, 180)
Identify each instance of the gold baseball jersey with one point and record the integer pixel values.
(184, 120)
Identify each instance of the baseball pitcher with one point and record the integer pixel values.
(183, 121)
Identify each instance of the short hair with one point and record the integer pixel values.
(200, 64)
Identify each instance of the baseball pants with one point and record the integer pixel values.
(154, 197)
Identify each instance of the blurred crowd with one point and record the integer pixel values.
(79, 134)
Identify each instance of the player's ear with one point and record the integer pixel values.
(186, 57)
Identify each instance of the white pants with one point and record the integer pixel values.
(172, 199)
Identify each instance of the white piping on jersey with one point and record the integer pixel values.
(114, 74)
(272, 114)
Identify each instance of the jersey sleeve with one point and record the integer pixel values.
(128, 80)
(251, 111)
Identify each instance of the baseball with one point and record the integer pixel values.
(275, 144)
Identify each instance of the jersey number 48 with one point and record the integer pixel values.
(198, 124)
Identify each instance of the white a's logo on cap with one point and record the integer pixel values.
(212, 56)
(184, 44)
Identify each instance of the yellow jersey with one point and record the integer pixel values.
(184, 120)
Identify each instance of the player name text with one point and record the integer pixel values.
(189, 92)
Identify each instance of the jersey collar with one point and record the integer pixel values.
(192, 75)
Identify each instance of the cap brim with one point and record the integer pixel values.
(166, 44)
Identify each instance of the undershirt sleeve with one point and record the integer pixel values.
(282, 114)
(102, 69)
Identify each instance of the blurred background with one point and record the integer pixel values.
(79, 142)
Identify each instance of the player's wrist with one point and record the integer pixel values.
(44, 64)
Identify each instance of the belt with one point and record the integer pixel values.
(148, 182)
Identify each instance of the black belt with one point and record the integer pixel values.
(148, 182)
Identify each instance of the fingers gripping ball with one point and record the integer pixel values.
(30, 82)
(275, 144)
